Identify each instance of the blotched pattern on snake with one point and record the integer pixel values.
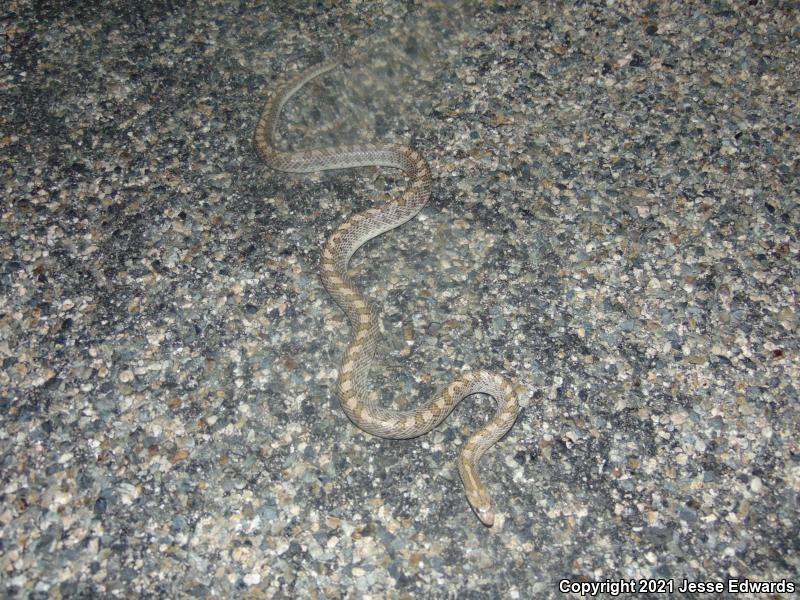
(352, 384)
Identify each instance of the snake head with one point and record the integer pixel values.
(477, 494)
(485, 514)
(481, 505)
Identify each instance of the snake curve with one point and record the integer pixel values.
(352, 388)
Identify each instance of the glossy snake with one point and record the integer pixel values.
(352, 385)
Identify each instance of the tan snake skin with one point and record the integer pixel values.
(352, 381)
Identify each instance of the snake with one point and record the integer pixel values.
(352, 386)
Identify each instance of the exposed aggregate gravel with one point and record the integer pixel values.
(614, 223)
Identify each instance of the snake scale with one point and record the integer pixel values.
(352, 387)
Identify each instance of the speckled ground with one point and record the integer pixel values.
(614, 222)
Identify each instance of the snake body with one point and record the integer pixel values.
(352, 387)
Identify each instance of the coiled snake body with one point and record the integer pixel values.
(341, 245)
